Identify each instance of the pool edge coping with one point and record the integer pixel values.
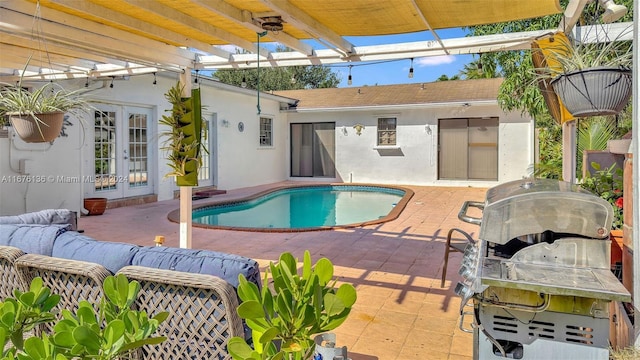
(174, 215)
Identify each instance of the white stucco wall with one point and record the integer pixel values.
(416, 159)
(240, 160)
(50, 178)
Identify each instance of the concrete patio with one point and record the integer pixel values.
(401, 312)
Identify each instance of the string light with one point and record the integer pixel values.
(86, 83)
(155, 81)
(112, 78)
(350, 79)
(197, 72)
(411, 70)
(480, 70)
(244, 80)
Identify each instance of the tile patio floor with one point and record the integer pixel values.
(401, 312)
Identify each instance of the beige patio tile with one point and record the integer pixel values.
(401, 311)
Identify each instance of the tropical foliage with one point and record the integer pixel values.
(109, 333)
(517, 93)
(283, 320)
(607, 184)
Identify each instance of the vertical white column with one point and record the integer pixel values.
(635, 237)
(186, 192)
(569, 149)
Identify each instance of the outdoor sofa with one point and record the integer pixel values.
(196, 287)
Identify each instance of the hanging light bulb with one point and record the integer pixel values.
(197, 72)
(86, 83)
(111, 85)
(411, 70)
(350, 79)
(244, 81)
(155, 81)
(480, 70)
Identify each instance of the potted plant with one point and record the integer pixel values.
(285, 317)
(183, 136)
(38, 115)
(589, 78)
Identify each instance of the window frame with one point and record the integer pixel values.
(394, 130)
(265, 134)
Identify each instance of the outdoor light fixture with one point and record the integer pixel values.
(244, 82)
(155, 81)
(86, 83)
(411, 70)
(111, 85)
(480, 70)
(350, 79)
(612, 11)
(197, 72)
(272, 23)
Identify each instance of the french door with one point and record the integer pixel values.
(122, 160)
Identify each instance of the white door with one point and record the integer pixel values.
(121, 156)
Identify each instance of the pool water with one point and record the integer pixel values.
(304, 207)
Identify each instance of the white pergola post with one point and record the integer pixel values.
(635, 237)
(186, 191)
(569, 151)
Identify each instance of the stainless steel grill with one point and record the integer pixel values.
(539, 277)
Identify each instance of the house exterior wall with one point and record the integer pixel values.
(60, 174)
(415, 160)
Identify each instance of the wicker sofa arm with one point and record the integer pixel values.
(9, 277)
(73, 280)
(202, 312)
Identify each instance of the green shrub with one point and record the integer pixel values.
(110, 333)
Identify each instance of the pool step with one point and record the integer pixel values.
(207, 194)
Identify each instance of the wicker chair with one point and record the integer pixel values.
(73, 280)
(202, 312)
(9, 277)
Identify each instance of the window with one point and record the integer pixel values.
(266, 131)
(386, 131)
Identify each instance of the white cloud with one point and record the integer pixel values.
(231, 48)
(434, 60)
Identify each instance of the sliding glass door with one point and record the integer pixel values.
(313, 150)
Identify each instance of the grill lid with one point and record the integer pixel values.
(533, 206)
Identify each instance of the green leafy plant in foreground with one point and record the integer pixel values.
(607, 184)
(285, 318)
(110, 333)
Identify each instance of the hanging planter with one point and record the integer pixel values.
(594, 92)
(37, 128)
(183, 137)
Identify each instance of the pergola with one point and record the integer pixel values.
(101, 39)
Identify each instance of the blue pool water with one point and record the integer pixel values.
(304, 207)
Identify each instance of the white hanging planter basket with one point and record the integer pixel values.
(595, 91)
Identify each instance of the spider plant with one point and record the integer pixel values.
(15, 99)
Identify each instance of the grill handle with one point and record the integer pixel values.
(462, 215)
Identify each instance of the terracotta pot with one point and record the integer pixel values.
(617, 246)
(46, 128)
(95, 206)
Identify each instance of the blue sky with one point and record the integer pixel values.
(426, 69)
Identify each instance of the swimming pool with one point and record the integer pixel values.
(303, 208)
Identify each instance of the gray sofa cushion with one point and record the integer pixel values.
(43, 217)
(112, 255)
(32, 239)
(225, 266)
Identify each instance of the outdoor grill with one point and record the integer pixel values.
(539, 277)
